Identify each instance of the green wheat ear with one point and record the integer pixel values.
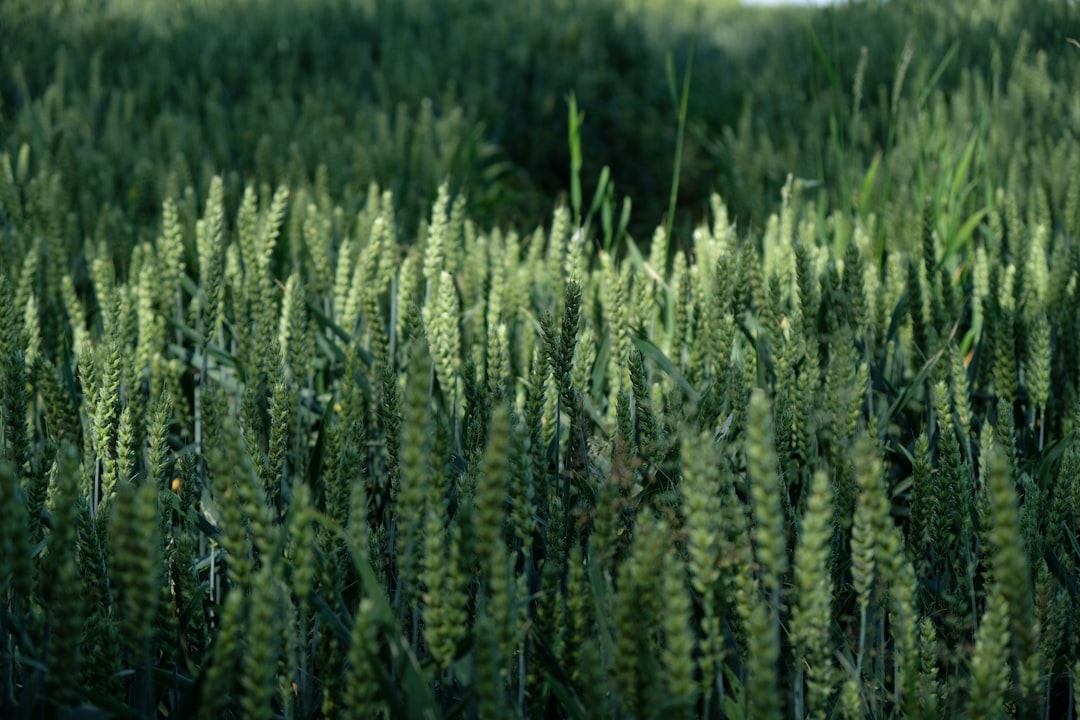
(1037, 369)
(224, 666)
(489, 516)
(678, 651)
(210, 244)
(811, 620)
(762, 609)
(445, 611)
(293, 331)
(16, 572)
(1008, 559)
(136, 572)
(441, 318)
(639, 595)
(363, 691)
(301, 544)
(765, 490)
(989, 680)
(490, 693)
(59, 579)
(699, 476)
(409, 493)
(262, 643)
(871, 520)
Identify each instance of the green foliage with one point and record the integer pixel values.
(294, 424)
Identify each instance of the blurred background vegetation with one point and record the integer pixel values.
(270, 90)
